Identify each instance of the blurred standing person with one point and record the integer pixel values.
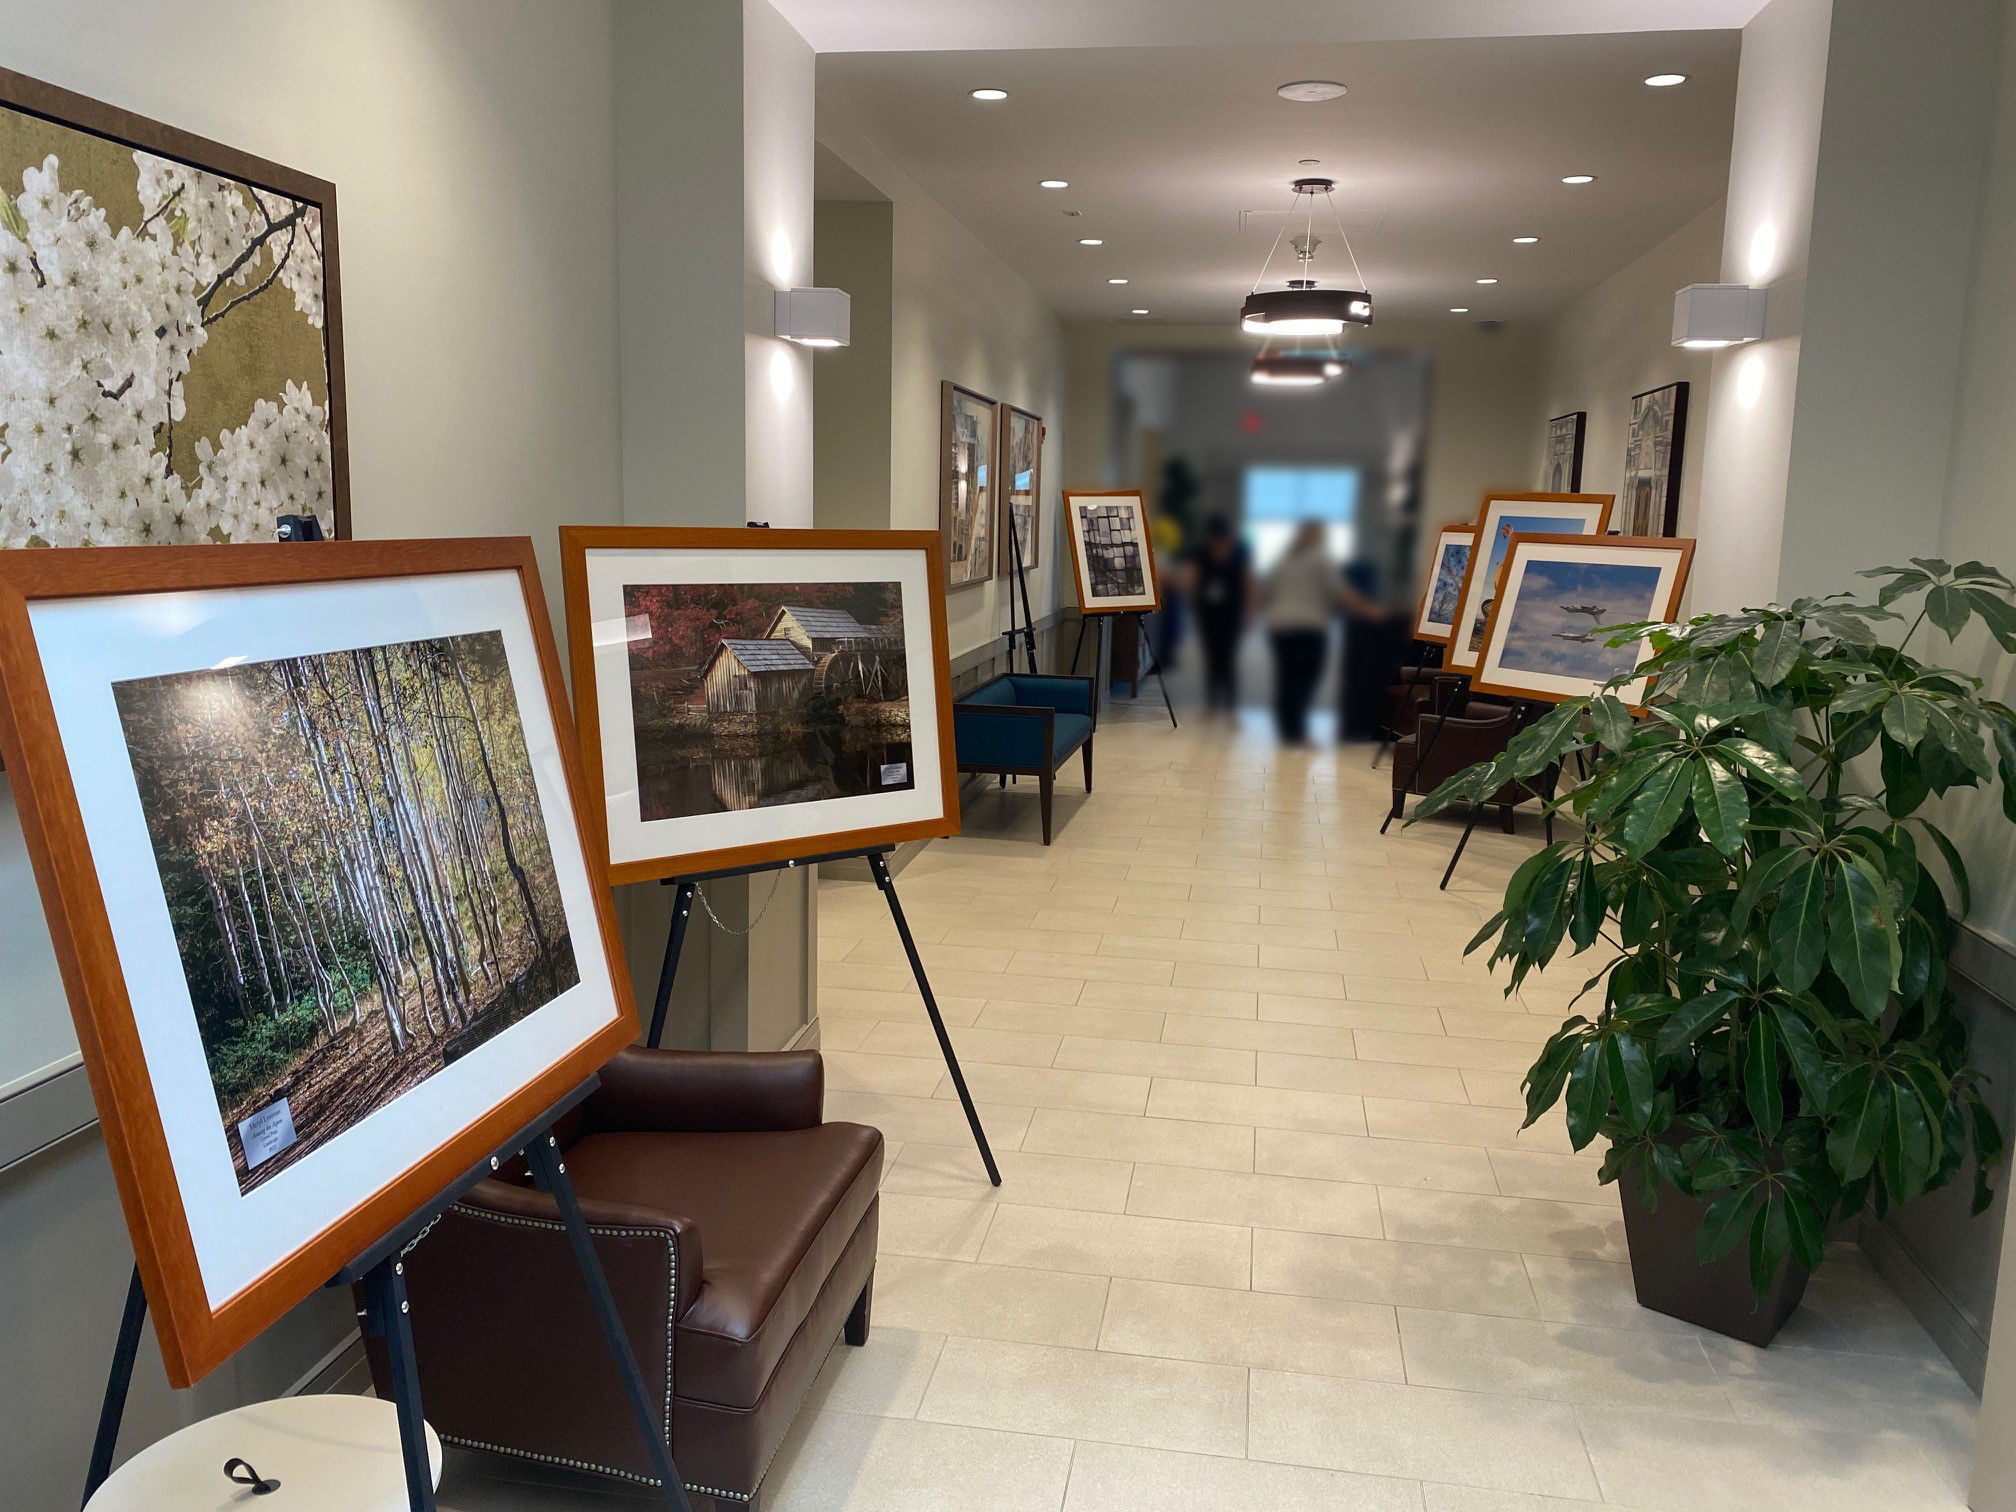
(1304, 597)
(1220, 582)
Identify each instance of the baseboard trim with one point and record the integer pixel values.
(1954, 1335)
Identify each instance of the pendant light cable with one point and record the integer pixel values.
(1283, 231)
(1338, 215)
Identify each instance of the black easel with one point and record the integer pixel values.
(1523, 712)
(878, 862)
(1027, 633)
(1140, 618)
(1388, 735)
(380, 1275)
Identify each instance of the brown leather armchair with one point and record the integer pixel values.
(738, 1232)
(1481, 730)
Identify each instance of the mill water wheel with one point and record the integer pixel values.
(859, 674)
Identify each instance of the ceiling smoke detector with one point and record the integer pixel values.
(1310, 91)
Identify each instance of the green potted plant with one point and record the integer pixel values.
(1769, 1043)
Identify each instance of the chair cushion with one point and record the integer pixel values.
(1001, 691)
(775, 1211)
(1069, 731)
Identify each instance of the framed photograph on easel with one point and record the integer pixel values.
(1112, 552)
(303, 822)
(1503, 515)
(747, 697)
(1435, 620)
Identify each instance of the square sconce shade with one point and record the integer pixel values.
(814, 317)
(1706, 316)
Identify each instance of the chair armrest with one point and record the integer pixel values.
(999, 735)
(1073, 695)
(707, 1092)
(527, 1209)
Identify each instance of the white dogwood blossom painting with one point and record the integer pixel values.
(164, 348)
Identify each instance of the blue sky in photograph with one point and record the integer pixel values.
(1448, 583)
(1552, 596)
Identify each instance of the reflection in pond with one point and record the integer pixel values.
(709, 777)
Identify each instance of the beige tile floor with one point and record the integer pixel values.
(1269, 1233)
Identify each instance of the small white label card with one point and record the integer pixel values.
(894, 772)
(267, 1132)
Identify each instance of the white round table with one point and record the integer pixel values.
(329, 1453)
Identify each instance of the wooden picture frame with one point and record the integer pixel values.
(1144, 598)
(1534, 513)
(601, 627)
(95, 118)
(1548, 654)
(1027, 503)
(966, 519)
(1655, 445)
(82, 823)
(1442, 583)
(1561, 469)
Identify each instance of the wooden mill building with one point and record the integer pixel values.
(756, 677)
(819, 632)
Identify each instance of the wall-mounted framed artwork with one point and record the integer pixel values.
(1112, 552)
(1544, 639)
(1503, 515)
(969, 433)
(200, 328)
(1021, 487)
(303, 820)
(1653, 447)
(1562, 471)
(748, 697)
(1435, 620)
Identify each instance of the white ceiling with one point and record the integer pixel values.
(978, 25)
(1443, 151)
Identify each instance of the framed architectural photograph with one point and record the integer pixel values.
(755, 696)
(1021, 487)
(1558, 593)
(1652, 452)
(198, 326)
(1562, 471)
(1502, 516)
(1112, 552)
(1435, 620)
(303, 819)
(969, 433)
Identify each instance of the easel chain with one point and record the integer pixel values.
(775, 879)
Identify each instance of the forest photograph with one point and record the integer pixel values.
(749, 695)
(357, 870)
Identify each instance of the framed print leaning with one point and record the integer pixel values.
(1545, 637)
(172, 303)
(1652, 451)
(1021, 487)
(967, 437)
(1435, 620)
(747, 697)
(1502, 516)
(1562, 471)
(304, 827)
(1112, 552)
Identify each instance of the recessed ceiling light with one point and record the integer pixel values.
(1310, 91)
(1116, 280)
(1139, 312)
(1091, 241)
(1524, 241)
(990, 94)
(1666, 81)
(1487, 280)
(1459, 309)
(1579, 178)
(1055, 184)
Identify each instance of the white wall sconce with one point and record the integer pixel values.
(815, 317)
(1710, 316)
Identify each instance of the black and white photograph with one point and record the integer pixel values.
(1562, 471)
(967, 439)
(1653, 449)
(1111, 552)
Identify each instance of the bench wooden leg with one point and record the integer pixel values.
(1049, 787)
(1088, 763)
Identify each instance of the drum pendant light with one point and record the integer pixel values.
(1293, 371)
(1303, 307)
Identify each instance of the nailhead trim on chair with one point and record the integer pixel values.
(671, 1323)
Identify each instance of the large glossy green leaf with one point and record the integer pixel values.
(1691, 1020)
(1906, 782)
(1631, 1079)
(1958, 868)
(1721, 805)
(1861, 1114)
(1725, 1224)
(1588, 1094)
(1808, 1229)
(1907, 1150)
(1657, 808)
(1999, 613)
(1612, 721)
(1549, 1074)
(1546, 915)
(1860, 945)
(1766, 765)
(1947, 607)
(1770, 1238)
(1777, 650)
(1904, 719)
(1765, 873)
(1797, 934)
(1763, 1089)
(1585, 923)
(1809, 1065)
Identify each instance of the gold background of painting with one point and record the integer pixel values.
(264, 344)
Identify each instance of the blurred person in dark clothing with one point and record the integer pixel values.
(1304, 596)
(1220, 583)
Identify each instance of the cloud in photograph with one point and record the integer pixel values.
(1448, 583)
(1559, 603)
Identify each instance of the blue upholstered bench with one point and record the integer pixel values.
(1022, 726)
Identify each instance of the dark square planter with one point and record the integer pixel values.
(1716, 1296)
